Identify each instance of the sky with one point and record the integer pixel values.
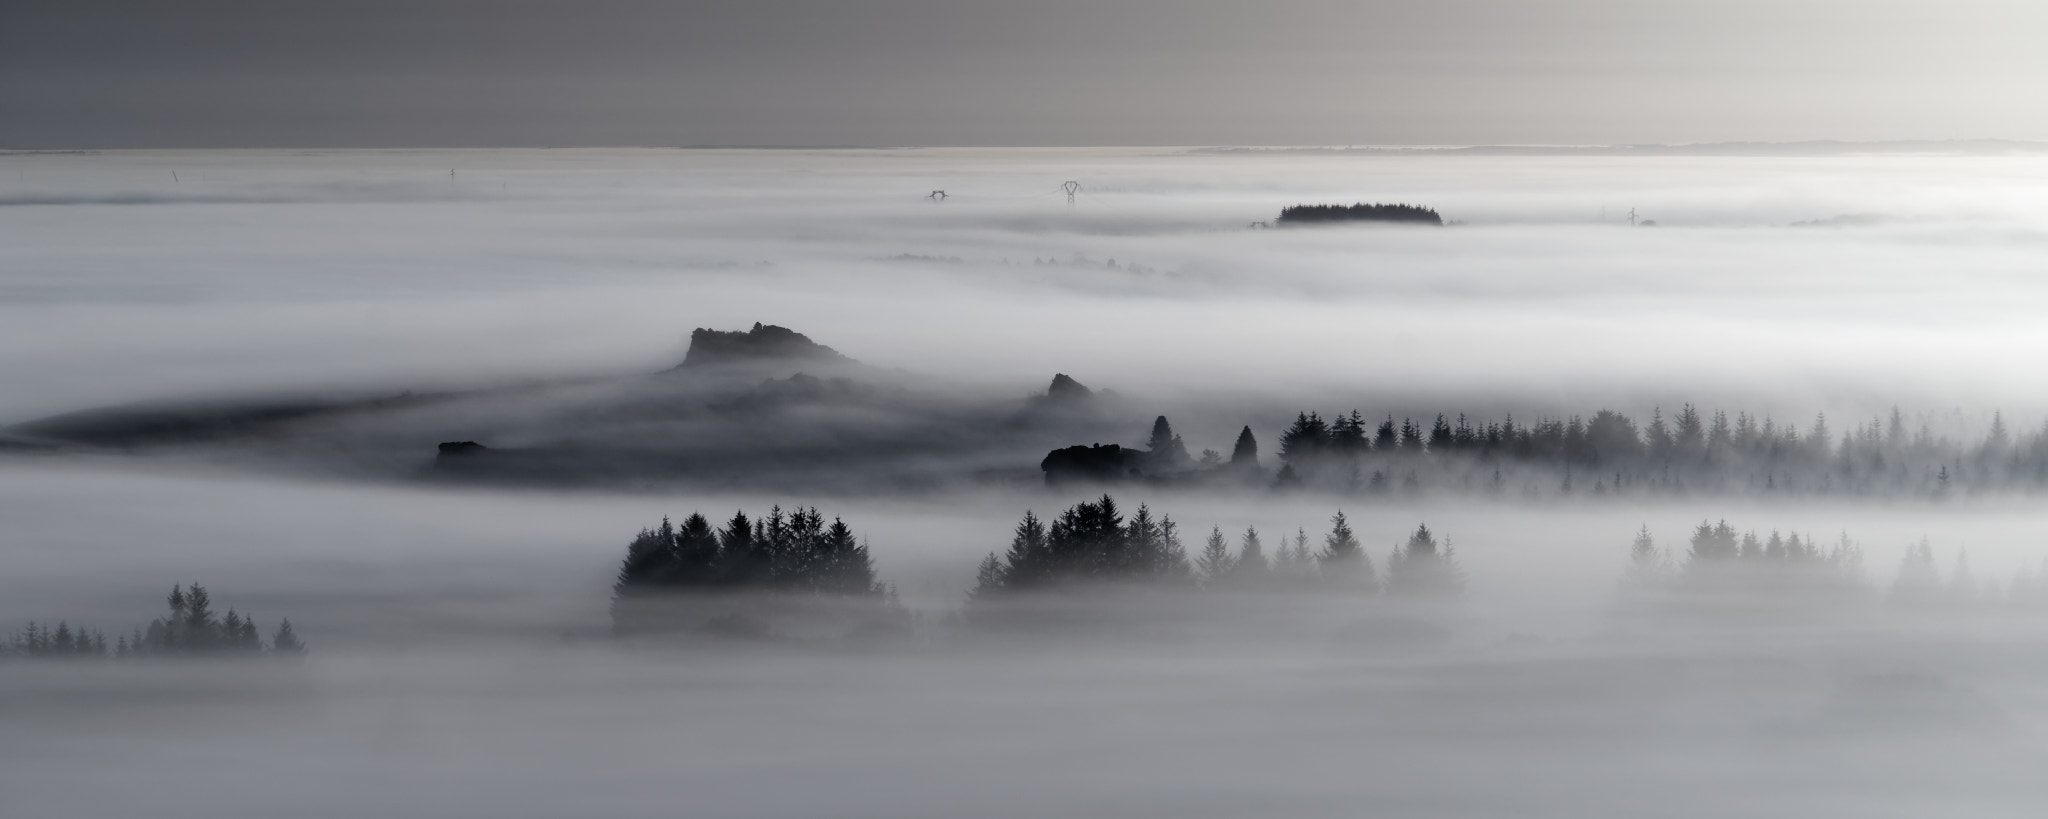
(461, 73)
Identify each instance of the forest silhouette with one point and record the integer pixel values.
(190, 629)
(1606, 454)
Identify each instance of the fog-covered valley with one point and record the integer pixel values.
(244, 375)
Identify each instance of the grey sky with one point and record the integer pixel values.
(220, 73)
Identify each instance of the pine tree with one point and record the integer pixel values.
(1215, 561)
(200, 632)
(1347, 435)
(1385, 439)
(738, 562)
(1712, 544)
(1440, 435)
(1658, 435)
(1029, 561)
(989, 579)
(1250, 565)
(1820, 439)
(1343, 561)
(1167, 452)
(286, 645)
(1305, 440)
(1245, 455)
(1170, 562)
(1422, 570)
(649, 557)
(840, 564)
(1645, 562)
(1690, 440)
(696, 553)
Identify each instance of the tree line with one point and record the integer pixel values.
(693, 577)
(1608, 453)
(191, 628)
(1718, 560)
(1092, 543)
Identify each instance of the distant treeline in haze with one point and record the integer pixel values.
(191, 628)
(1608, 453)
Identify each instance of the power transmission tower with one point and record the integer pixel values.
(936, 196)
(1071, 188)
(1631, 217)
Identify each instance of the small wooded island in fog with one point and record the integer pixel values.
(1361, 212)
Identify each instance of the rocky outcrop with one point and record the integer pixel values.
(1065, 390)
(764, 343)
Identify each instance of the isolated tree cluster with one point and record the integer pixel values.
(192, 628)
(782, 553)
(1361, 212)
(1092, 544)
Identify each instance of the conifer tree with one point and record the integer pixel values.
(1347, 435)
(1305, 440)
(1250, 563)
(649, 557)
(1658, 436)
(1411, 436)
(1029, 560)
(1171, 560)
(1385, 439)
(1712, 544)
(200, 630)
(285, 644)
(1166, 449)
(1214, 562)
(736, 551)
(1440, 435)
(989, 578)
(1343, 562)
(1245, 455)
(1645, 562)
(1421, 569)
(1690, 439)
(696, 553)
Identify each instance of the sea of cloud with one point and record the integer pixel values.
(314, 270)
(459, 665)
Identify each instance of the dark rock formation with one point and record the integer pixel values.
(1065, 390)
(766, 342)
(1098, 463)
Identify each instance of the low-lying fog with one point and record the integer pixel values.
(312, 270)
(460, 668)
(461, 661)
